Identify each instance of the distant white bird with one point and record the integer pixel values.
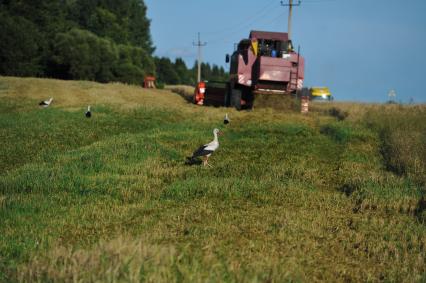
(206, 150)
(226, 119)
(88, 113)
(46, 103)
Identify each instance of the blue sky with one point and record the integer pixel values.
(361, 49)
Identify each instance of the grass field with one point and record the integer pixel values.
(290, 197)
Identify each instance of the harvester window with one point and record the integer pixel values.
(266, 47)
(269, 47)
(276, 49)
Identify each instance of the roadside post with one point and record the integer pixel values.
(304, 101)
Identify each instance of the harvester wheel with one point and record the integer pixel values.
(236, 98)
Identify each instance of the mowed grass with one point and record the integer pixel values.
(290, 197)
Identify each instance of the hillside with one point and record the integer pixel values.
(289, 197)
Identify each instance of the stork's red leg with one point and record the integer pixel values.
(207, 162)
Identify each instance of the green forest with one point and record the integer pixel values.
(97, 40)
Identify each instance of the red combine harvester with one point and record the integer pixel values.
(265, 63)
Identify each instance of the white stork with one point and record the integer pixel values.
(206, 150)
(46, 103)
(226, 119)
(88, 113)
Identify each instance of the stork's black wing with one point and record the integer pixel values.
(201, 151)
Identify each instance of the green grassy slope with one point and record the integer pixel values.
(290, 197)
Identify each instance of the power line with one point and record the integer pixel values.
(274, 20)
(225, 35)
(259, 13)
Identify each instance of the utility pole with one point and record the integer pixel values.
(290, 12)
(199, 44)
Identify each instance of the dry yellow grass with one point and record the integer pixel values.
(122, 259)
(72, 94)
(358, 110)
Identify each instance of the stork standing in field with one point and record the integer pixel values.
(206, 150)
(88, 113)
(46, 103)
(226, 119)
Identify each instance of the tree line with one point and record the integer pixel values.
(99, 40)
(177, 73)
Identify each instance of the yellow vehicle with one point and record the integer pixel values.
(320, 93)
